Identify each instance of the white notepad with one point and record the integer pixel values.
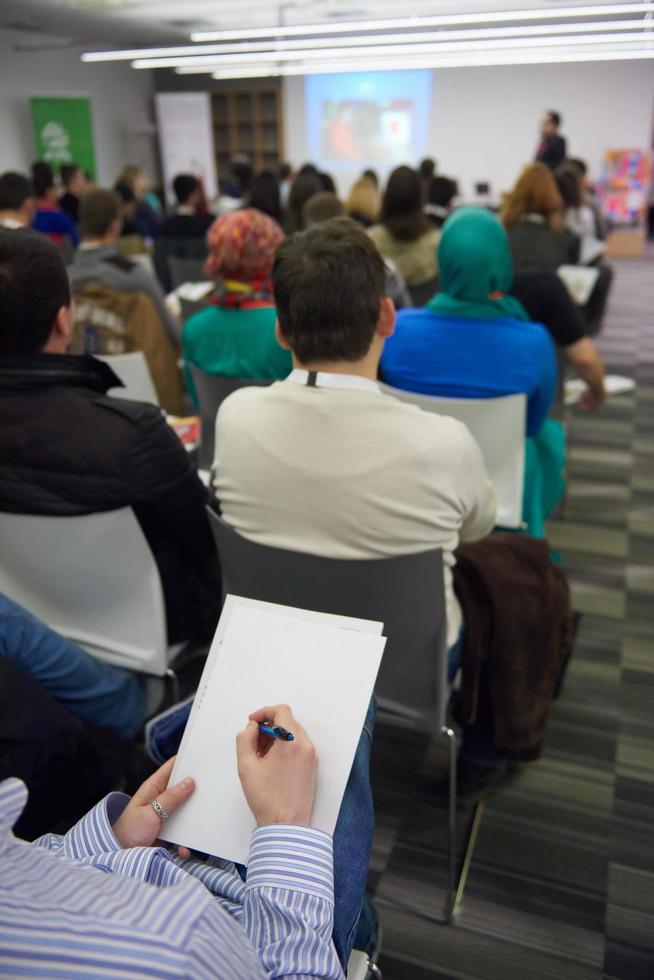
(323, 666)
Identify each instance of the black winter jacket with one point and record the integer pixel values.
(67, 448)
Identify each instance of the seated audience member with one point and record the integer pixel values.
(235, 336)
(552, 146)
(238, 183)
(404, 234)
(327, 182)
(533, 217)
(324, 462)
(49, 218)
(472, 340)
(17, 204)
(182, 234)
(66, 448)
(76, 184)
(98, 260)
(440, 194)
(363, 203)
(372, 176)
(104, 695)
(285, 180)
(148, 215)
(321, 207)
(426, 171)
(110, 877)
(547, 301)
(264, 195)
(589, 195)
(578, 217)
(306, 184)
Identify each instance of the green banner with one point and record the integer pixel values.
(63, 132)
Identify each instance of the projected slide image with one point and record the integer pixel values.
(359, 119)
(363, 129)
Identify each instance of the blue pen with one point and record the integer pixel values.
(276, 731)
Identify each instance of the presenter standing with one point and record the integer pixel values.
(552, 147)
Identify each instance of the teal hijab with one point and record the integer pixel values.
(475, 269)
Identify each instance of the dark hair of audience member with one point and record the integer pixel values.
(303, 187)
(125, 192)
(535, 192)
(442, 191)
(184, 185)
(372, 176)
(308, 168)
(34, 286)
(554, 117)
(242, 170)
(14, 190)
(329, 282)
(569, 185)
(284, 171)
(321, 207)
(42, 177)
(577, 164)
(327, 182)
(264, 195)
(402, 213)
(427, 168)
(68, 172)
(97, 211)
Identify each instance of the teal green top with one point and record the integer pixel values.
(237, 343)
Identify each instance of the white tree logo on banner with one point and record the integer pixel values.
(57, 142)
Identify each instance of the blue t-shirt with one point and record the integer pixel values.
(456, 357)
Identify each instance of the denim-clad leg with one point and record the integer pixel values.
(104, 695)
(352, 835)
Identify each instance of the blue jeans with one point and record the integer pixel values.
(104, 695)
(352, 835)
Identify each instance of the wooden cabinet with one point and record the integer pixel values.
(248, 120)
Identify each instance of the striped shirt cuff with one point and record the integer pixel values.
(296, 858)
(93, 834)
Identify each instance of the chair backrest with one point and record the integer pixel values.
(406, 593)
(93, 579)
(499, 427)
(211, 391)
(133, 371)
(185, 270)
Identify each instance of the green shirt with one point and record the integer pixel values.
(236, 343)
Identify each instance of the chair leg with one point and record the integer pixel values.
(455, 897)
(174, 684)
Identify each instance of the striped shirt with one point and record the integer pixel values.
(81, 906)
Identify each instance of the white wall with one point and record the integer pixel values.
(484, 120)
(121, 106)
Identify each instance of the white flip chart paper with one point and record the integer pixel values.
(323, 666)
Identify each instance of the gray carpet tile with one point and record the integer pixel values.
(561, 886)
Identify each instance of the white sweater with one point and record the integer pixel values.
(344, 471)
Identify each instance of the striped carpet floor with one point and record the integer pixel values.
(562, 881)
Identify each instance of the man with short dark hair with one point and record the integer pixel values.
(324, 462)
(552, 148)
(76, 184)
(67, 448)
(17, 204)
(183, 234)
(98, 259)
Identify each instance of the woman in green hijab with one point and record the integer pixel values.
(474, 340)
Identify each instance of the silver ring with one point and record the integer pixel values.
(159, 810)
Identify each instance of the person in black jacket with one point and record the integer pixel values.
(67, 448)
(183, 234)
(552, 148)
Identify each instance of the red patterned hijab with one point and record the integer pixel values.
(242, 246)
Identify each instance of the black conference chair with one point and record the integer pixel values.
(211, 391)
(406, 593)
(182, 270)
(423, 292)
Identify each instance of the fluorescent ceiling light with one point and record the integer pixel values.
(383, 50)
(467, 61)
(524, 30)
(398, 23)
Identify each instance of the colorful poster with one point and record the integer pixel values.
(624, 186)
(63, 131)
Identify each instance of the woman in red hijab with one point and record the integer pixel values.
(235, 336)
